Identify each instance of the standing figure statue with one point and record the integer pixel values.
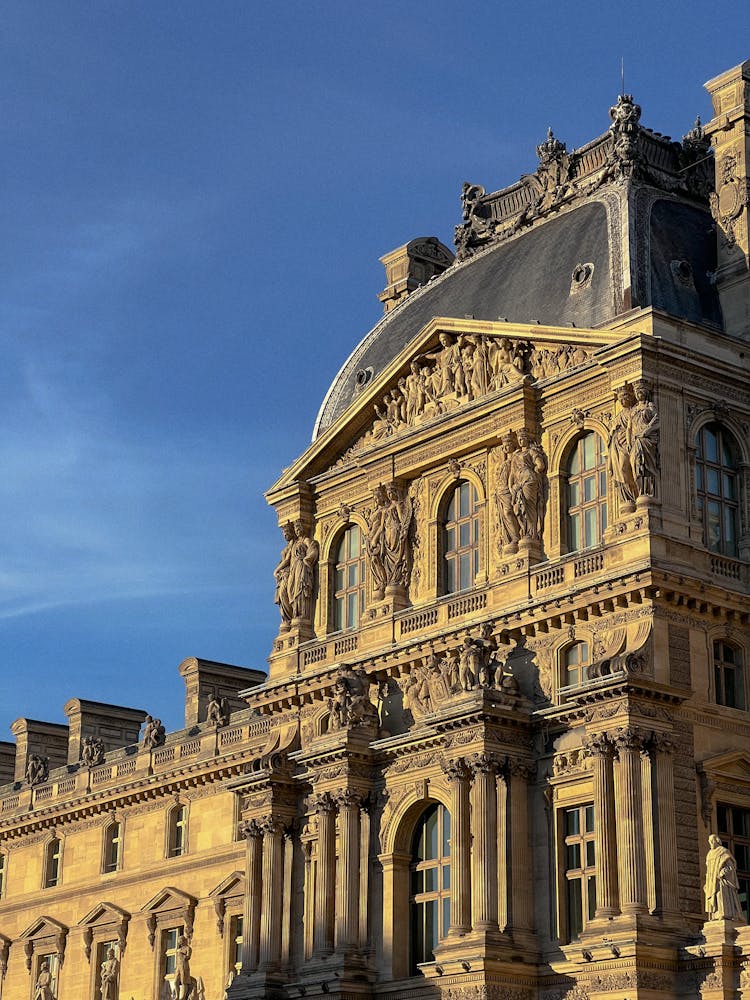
(528, 474)
(182, 981)
(43, 984)
(301, 583)
(37, 769)
(154, 733)
(281, 575)
(510, 530)
(396, 542)
(376, 543)
(722, 885)
(644, 441)
(110, 973)
(618, 449)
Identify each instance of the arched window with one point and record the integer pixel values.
(112, 847)
(586, 492)
(349, 580)
(460, 539)
(729, 682)
(717, 488)
(177, 832)
(430, 897)
(575, 665)
(52, 863)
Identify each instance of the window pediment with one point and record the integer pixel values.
(230, 890)
(732, 767)
(108, 918)
(170, 904)
(44, 934)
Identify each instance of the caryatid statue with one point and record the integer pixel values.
(529, 487)
(618, 449)
(281, 576)
(722, 885)
(510, 530)
(396, 538)
(376, 543)
(301, 580)
(643, 441)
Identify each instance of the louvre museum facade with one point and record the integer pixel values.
(502, 751)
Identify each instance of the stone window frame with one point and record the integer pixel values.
(444, 494)
(170, 828)
(734, 638)
(602, 500)
(106, 922)
(229, 900)
(584, 837)
(441, 893)
(47, 859)
(44, 936)
(726, 422)
(557, 509)
(331, 561)
(113, 821)
(169, 909)
(563, 667)
(575, 634)
(4, 862)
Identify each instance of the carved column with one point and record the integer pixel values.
(459, 779)
(522, 883)
(286, 928)
(630, 847)
(364, 872)
(325, 883)
(602, 753)
(668, 896)
(649, 840)
(484, 812)
(253, 834)
(347, 880)
(272, 889)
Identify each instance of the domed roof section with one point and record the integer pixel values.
(621, 223)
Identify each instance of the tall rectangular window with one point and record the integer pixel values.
(168, 957)
(733, 826)
(177, 834)
(579, 868)
(47, 970)
(235, 945)
(106, 968)
(52, 863)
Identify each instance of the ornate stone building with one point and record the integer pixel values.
(508, 703)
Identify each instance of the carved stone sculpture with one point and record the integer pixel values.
(396, 538)
(376, 542)
(37, 769)
(722, 886)
(217, 711)
(43, 984)
(618, 450)
(644, 441)
(92, 751)
(154, 733)
(110, 974)
(281, 575)
(509, 530)
(183, 982)
(301, 582)
(350, 703)
(529, 489)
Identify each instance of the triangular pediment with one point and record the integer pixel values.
(734, 766)
(232, 885)
(44, 927)
(448, 365)
(104, 913)
(170, 898)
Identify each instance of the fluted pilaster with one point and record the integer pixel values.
(522, 874)
(253, 834)
(668, 896)
(272, 893)
(630, 846)
(484, 810)
(347, 882)
(602, 751)
(325, 887)
(458, 776)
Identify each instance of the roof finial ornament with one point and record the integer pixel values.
(551, 149)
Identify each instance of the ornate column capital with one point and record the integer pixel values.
(523, 769)
(629, 738)
(347, 797)
(598, 745)
(484, 763)
(325, 802)
(271, 825)
(663, 743)
(456, 770)
(249, 828)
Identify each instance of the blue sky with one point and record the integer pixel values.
(193, 201)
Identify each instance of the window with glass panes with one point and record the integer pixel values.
(169, 954)
(349, 580)
(733, 826)
(177, 832)
(430, 883)
(717, 489)
(112, 845)
(461, 539)
(579, 865)
(729, 682)
(576, 662)
(235, 945)
(587, 493)
(52, 859)
(3, 863)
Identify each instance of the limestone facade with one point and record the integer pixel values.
(508, 702)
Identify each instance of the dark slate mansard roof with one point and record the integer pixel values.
(548, 249)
